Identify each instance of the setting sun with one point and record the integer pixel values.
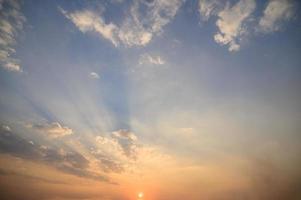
(140, 195)
(150, 99)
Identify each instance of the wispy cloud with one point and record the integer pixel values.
(30, 177)
(11, 23)
(53, 130)
(124, 135)
(207, 8)
(148, 59)
(144, 20)
(275, 13)
(127, 141)
(90, 21)
(122, 143)
(120, 151)
(64, 159)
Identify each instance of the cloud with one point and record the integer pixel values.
(64, 159)
(124, 135)
(12, 65)
(109, 154)
(148, 59)
(28, 176)
(144, 20)
(276, 12)
(109, 164)
(69, 158)
(127, 141)
(121, 153)
(11, 23)
(53, 130)
(231, 20)
(231, 23)
(6, 128)
(121, 145)
(89, 21)
(94, 75)
(108, 146)
(15, 145)
(207, 8)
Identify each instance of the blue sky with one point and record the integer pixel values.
(109, 92)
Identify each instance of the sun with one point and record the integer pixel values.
(140, 195)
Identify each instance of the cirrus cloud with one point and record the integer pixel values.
(11, 23)
(144, 20)
(89, 21)
(53, 130)
(148, 59)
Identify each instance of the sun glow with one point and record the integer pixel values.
(140, 195)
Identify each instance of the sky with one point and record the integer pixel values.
(150, 100)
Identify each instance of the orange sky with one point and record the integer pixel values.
(169, 99)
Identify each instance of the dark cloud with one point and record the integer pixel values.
(67, 161)
(270, 181)
(53, 130)
(109, 165)
(83, 173)
(73, 159)
(27, 176)
(267, 181)
(127, 141)
(17, 146)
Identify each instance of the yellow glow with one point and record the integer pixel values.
(140, 195)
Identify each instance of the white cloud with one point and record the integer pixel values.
(146, 20)
(89, 21)
(11, 23)
(6, 128)
(94, 75)
(53, 130)
(121, 145)
(140, 25)
(124, 134)
(127, 141)
(207, 8)
(231, 23)
(276, 12)
(148, 59)
(110, 147)
(12, 66)
(231, 20)
(121, 152)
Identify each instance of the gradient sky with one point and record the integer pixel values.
(169, 99)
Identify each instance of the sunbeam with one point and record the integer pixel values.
(150, 100)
